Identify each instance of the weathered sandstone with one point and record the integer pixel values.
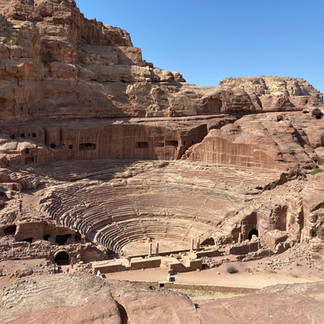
(276, 92)
(105, 157)
(58, 64)
(99, 302)
(270, 140)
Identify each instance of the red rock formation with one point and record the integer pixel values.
(70, 189)
(270, 141)
(88, 299)
(277, 92)
(313, 203)
(58, 64)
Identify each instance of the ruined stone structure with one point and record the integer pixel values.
(102, 153)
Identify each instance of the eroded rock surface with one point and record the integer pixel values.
(277, 92)
(58, 64)
(273, 140)
(89, 299)
(102, 153)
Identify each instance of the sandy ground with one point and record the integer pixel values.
(252, 274)
(212, 277)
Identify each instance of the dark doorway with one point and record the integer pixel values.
(144, 145)
(62, 239)
(10, 230)
(171, 143)
(209, 241)
(62, 258)
(77, 237)
(87, 146)
(253, 232)
(29, 240)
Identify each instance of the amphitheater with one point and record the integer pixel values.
(150, 201)
(108, 163)
(135, 208)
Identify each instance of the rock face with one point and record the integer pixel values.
(276, 92)
(58, 64)
(102, 153)
(274, 305)
(96, 301)
(273, 140)
(58, 67)
(82, 298)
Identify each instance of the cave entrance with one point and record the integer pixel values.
(209, 241)
(77, 237)
(62, 258)
(62, 239)
(29, 240)
(253, 232)
(10, 230)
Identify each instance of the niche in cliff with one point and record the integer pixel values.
(210, 106)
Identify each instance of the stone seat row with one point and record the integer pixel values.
(115, 236)
(94, 217)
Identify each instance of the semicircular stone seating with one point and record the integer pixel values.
(169, 205)
(116, 216)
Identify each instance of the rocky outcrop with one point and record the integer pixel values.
(80, 298)
(101, 154)
(89, 299)
(313, 198)
(273, 305)
(58, 64)
(277, 92)
(273, 140)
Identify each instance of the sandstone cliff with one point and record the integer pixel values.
(273, 140)
(55, 63)
(102, 153)
(275, 92)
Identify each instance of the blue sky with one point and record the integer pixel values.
(210, 40)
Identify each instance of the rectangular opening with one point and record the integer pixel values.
(142, 145)
(171, 143)
(159, 144)
(87, 146)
